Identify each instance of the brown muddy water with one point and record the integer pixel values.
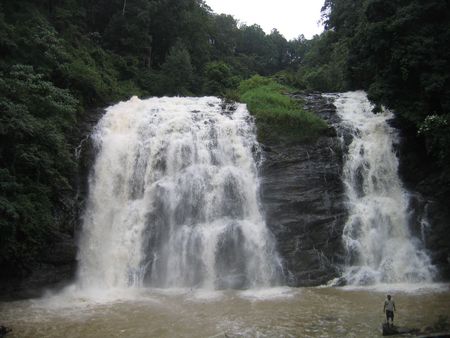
(276, 312)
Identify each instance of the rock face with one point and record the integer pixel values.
(437, 234)
(303, 198)
(54, 269)
(431, 196)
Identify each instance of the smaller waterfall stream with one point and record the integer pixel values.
(377, 237)
(173, 199)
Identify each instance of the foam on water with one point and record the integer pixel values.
(396, 288)
(269, 293)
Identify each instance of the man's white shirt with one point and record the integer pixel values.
(389, 304)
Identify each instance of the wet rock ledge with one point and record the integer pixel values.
(303, 198)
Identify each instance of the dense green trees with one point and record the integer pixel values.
(220, 78)
(36, 161)
(177, 72)
(323, 64)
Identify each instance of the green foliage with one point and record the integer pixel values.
(319, 78)
(219, 78)
(255, 82)
(35, 159)
(333, 70)
(436, 128)
(177, 71)
(276, 113)
(317, 64)
(224, 35)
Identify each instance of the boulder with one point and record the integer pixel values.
(390, 330)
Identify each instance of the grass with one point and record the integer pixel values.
(278, 117)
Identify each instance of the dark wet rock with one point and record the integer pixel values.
(228, 107)
(431, 193)
(390, 330)
(340, 281)
(303, 198)
(54, 268)
(4, 330)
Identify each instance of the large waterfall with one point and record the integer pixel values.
(379, 244)
(173, 199)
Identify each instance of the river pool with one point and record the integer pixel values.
(274, 312)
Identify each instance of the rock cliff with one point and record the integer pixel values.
(430, 202)
(303, 198)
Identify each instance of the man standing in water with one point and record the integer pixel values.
(389, 308)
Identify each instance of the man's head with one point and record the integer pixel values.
(389, 297)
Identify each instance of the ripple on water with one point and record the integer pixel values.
(282, 312)
(419, 288)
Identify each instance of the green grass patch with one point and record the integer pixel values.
(278, 117)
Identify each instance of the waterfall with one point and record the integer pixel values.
(173, 199)
(380, 247)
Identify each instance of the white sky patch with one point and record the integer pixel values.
(290, 17)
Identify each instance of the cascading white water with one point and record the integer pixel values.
(377, 237)
(173, 199)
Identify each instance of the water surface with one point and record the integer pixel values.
(275, 312)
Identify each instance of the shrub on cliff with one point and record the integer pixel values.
(276, 113)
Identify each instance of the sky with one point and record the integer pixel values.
(290, 17)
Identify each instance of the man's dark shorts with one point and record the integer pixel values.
(390, 314)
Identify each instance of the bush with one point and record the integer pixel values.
(277, 115)
(436, 128)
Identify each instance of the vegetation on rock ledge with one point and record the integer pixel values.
(277, 115)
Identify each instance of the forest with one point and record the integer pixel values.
(61, 58)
